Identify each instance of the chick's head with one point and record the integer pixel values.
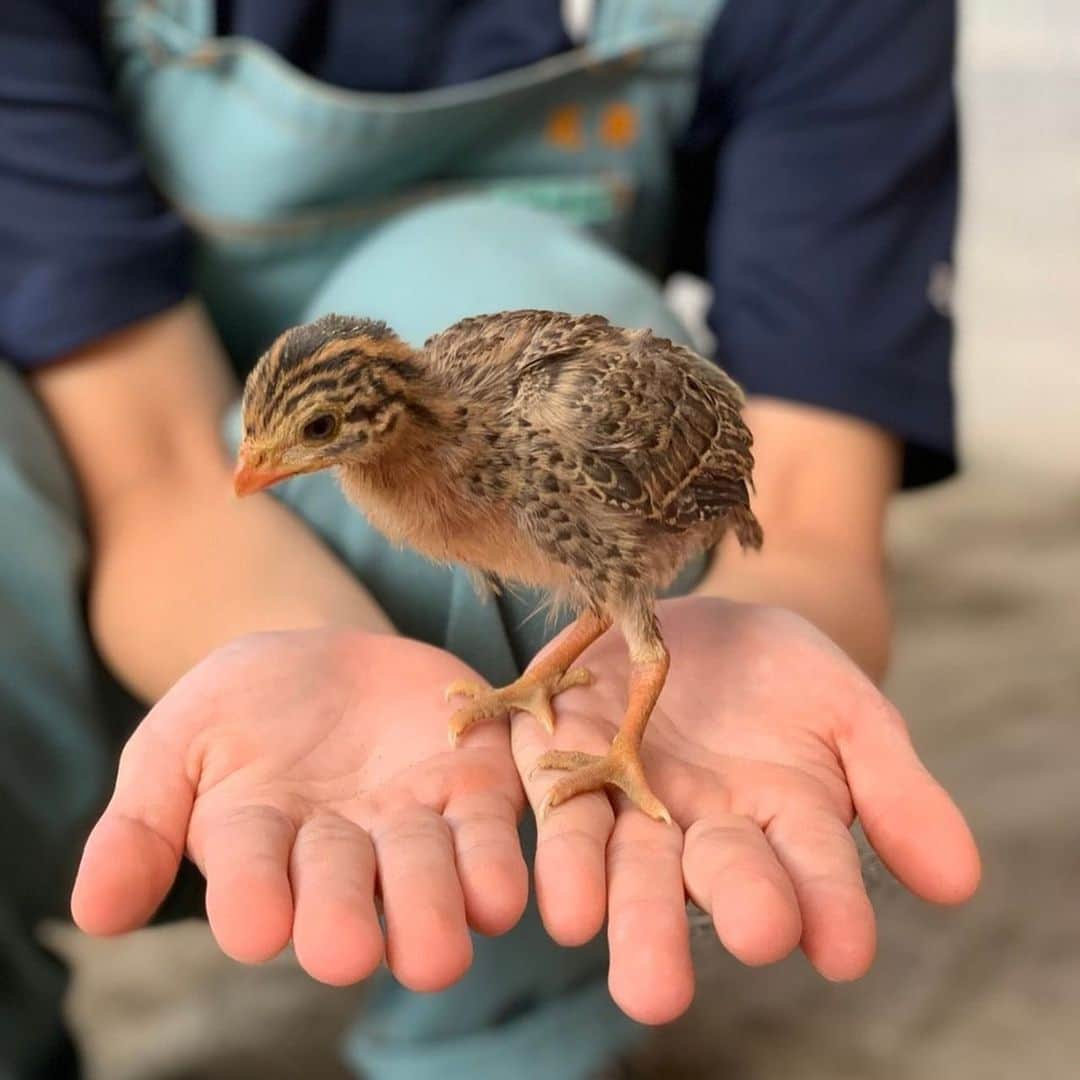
(337, 391)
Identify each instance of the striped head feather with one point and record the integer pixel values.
(337, 391)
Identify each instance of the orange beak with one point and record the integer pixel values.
(251, 476)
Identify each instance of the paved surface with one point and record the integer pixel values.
(986, 671)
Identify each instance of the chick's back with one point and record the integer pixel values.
(643, 424)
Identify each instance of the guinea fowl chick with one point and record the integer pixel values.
(536, 447)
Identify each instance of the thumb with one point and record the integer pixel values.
(907, 815)
(134, 851)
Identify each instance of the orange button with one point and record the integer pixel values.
(619, 125)
(565, 129)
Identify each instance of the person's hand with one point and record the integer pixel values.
(766, 742)
(295, 770)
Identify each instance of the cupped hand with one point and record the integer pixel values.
(766, 743)
(302, 772)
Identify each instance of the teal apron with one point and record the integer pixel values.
(547, 186)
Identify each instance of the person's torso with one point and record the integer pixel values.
(280, 171)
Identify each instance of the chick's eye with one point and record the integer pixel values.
(321, 428)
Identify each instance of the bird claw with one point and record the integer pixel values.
(578, 676)
(491, 708)
(563, 759)
(528, 694)
(464, 688)
(590, 772)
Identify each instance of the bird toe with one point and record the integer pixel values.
(578, 676)
(464, 688)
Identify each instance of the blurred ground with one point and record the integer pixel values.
(986, 670)
(1019, 283)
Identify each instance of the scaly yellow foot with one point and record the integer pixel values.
(621, 767)
(532, 693)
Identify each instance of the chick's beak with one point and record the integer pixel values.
(253, 474)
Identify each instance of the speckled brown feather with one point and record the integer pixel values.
(630, 451)
(533, 446)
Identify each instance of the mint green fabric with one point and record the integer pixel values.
(419, 209)
(282, 176)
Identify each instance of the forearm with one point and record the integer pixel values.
(180, 571)
(180, 566)
(823, 484)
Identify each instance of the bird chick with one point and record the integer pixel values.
(535, 447)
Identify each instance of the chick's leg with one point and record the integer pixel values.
(621, 767)
(533, 691)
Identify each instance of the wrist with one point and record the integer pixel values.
(844, 596)
(180, 569)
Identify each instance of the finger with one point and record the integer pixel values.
(651, 977)
(732, 873)
(132, 855)
(492, 870)
(818, 853)
(570, 868)
(336, 931)
(243, 851)
(907, 816)
(427, 939)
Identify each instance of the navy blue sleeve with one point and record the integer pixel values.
(87, 244)
(833, 209)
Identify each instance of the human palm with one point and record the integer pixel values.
(297, 770)
(765, 744)
(305, 773)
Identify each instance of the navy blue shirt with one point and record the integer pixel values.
(817, 180)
